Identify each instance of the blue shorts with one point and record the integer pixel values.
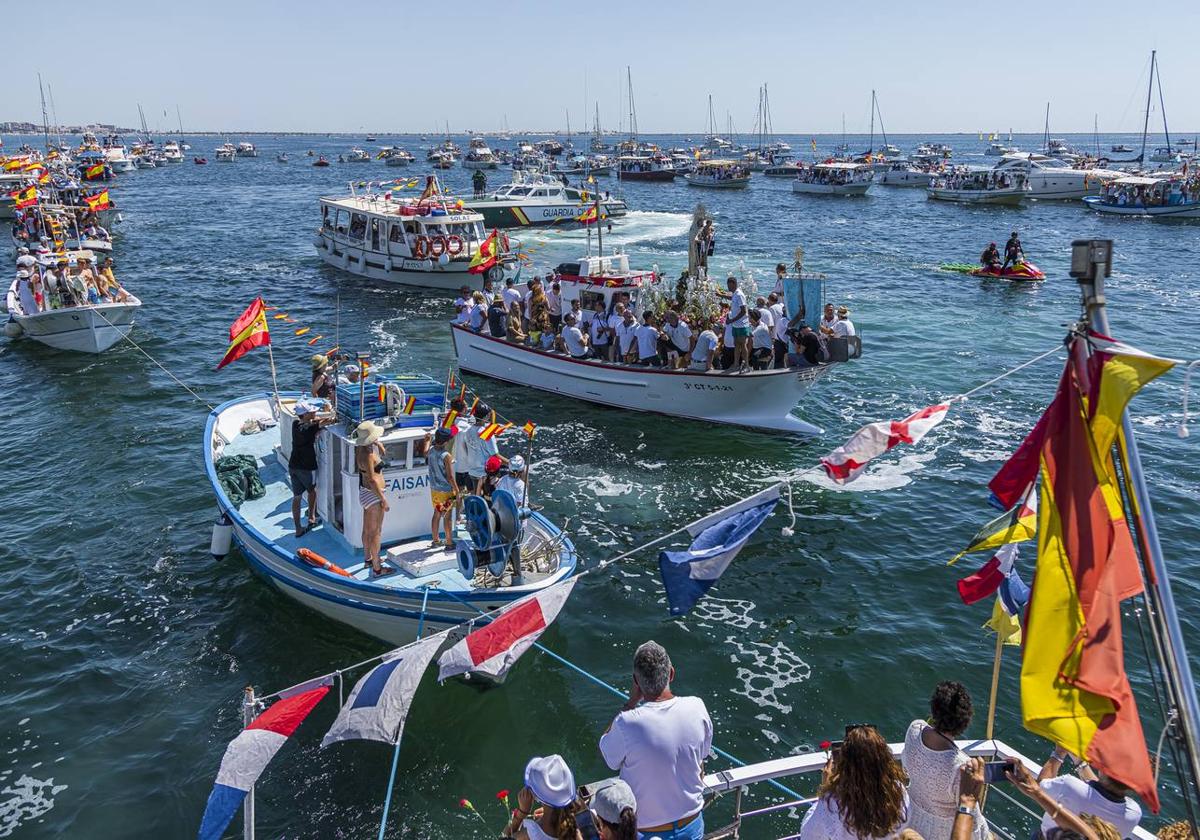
(302, 481)
(692, 831)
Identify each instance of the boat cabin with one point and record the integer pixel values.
(606, 279)
(405, 229)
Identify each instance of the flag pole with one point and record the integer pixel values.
(248, 706)
(991, 717)
(274, 381)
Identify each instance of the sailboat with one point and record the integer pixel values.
(887, 150)
(598, 144)
(639, 163)
(712, 137)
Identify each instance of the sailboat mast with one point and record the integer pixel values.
(1149, 90)
(632, 112)
(45, 116)
(1162, 105)
(54, 114)
(1046, 135)
(872, 149)
(882, 129)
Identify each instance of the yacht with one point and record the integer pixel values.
(355, 155)
(225, 153)
(980, 186)
(117, 157)
(645, 167)
(534, 200)
(1052, 180)
(246, 150)
(393, 156)
(171, 152)
(999, 150)
(479, 156)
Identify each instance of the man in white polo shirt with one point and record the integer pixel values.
(574, 340)
(626, 334)
(1088, 792)
(658, 743)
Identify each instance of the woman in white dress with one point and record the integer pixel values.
(862, 795)
(932, 761)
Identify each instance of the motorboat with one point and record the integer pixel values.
(758, 399)
(1165, 154)
(355, 155)
(784, 170)
(282, 157)
(502, 553)
(933, 150)
(92, 328)
(1051, 180)
(479, 156)
(645, 167)
(835, 178)
(549, 147)
(396, 157)
(975, 186)
(533, 200)
(246, 150)
(906, 174)
(321, 161)
(199, 161)
(719, 174)
(1000, 150)
(226, 153)
(441, 160)
(424, 241)
(171, 152)
(1120, 147)
(1173, 197)
(117, 158)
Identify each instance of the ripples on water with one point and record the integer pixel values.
(126, 646)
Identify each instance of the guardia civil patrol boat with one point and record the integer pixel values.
(535, 200)
(502, 552)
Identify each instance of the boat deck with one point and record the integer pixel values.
(271, 516)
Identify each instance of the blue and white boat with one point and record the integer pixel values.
(434, 586)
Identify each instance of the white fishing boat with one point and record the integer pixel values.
(1172, 197)
(719, 174)
(979, 187)
(91, 328)
(757, 399)
(533, 200)
(226, 153)
(431, 587)
(479, 156)
(1051, 180)
(837, 178)
(425, 241)
(171, 152)
(246, 150)
(282, 157)
(1000, 150)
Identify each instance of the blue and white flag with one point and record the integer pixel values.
(378, 705)
(249, 753)
(687, 575)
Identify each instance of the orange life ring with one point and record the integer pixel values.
(314, 559)
(454, 245)
(421, 248)
(437, 246)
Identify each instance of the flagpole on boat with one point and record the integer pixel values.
(248, 706)
(991, 717)
(1091, 262)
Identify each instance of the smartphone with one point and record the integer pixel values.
(994, 771)
(835, 746)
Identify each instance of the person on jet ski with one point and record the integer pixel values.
(1013, 253)
(990, 258)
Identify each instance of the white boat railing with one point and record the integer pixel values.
(737, 779)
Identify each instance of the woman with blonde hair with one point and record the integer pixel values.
(368, 457)
(862, 794)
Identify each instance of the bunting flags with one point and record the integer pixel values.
(688, 574)
(1016, 525)
(99, 201)
(492, 430)
(249, 754)
(449, 420)
(24, 197)
(496, 646)
(987, 580)
(847, 462)
(379, 703)
(530, 428)
(1074, 690)
(246, 333)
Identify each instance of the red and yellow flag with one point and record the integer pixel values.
(589, 216)
(449, 419)
(486, 256)
(25, 197)
(93, 172)
(246, 333)
(1074, 689)
(529, 428)
(410, 404)
(99, 201)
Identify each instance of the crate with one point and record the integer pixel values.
(429, 393)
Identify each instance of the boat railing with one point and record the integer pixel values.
(737, 780)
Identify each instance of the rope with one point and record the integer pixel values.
(963, 397)
(139, 348)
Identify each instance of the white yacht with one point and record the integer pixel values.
(246, 150)
(226, 153)
(355, 155)
(905, 173)
(117, 157)
(479, 156)
(1052, 180)
(999, 150)
(171, 152)
(394, 156)
(979, 186)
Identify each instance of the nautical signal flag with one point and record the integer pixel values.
(246, 333)
(1016, 525)
(93, 172)
(496, 646)
(383, 393)
(848, 461)
(529, 428)
(25, 197)
(378, 705)
(492, 430)
(250, 752)
(99, 201)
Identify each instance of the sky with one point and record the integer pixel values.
(406, 66)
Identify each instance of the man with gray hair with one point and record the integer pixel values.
(658, 743)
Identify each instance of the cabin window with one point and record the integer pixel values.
(587, 301)
(396, 233)
(326, 222)
(541, 192)
(341, 222)
(374, 234)
(573, 195)
(358, 226)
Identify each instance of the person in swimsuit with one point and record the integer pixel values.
(368, 454)
(322, 383)
(990, 258)
(1013, 252)
(443, 488)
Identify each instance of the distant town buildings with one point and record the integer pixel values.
(18, 127)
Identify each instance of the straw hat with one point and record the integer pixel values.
(366, 433)
(551, 780)
(319, 362)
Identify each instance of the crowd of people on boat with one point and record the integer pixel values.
(838, 176)
(962, 178)
(741, 336)
(658, 742)
(59, 281)
(1171, 192)
(724, 172)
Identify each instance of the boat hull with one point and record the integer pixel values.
(657, 175)
(503, 215)
(912, 178)
(830, 189)
(1178, 211)
(1007, 198)
(715, 184)
(84, 329)
(402, 270)
(761, 400)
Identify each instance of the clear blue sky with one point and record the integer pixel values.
(410, 66)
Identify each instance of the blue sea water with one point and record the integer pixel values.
(126, 647)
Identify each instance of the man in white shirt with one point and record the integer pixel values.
(514, 479)
(511, 294)
(478, 449)
(575, 342)
(679, 340)
(1088, 793)
(554, 298)
(658, 743)
(598, 332)
(647, 336)
(764, 312)
(739, 323)
(626, 334)
(828, 320)
(844, 328)
(761, 343)
(462, 305)
(779, 333)
(706, 347)
(615, 320)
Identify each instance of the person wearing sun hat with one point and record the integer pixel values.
(368, 457)
(302, 463)
(550, 781)
(322, 384)
(844, 328)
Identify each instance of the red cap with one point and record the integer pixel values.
(493, 464)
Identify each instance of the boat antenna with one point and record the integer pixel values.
(1091, 262)
(1146, 122)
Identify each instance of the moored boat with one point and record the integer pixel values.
(246, 150)
(226, 153)
(645, 167)
(719, 174)
(835, 178)
(1173, 197)
(979, 187)
(533, 200)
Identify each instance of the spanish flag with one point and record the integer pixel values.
(13, 164)
(1074, 689)
(410, 404)
(383, 393)
(487, 255)
(26, 197)
(248, 331)
(93, 172)
(449, 420)
(492, 430)
(99, 201)
(529, 428)
(589, 216)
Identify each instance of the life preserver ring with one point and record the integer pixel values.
(314, 559)
(454, 245)
(421, 248)
(437, 246)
